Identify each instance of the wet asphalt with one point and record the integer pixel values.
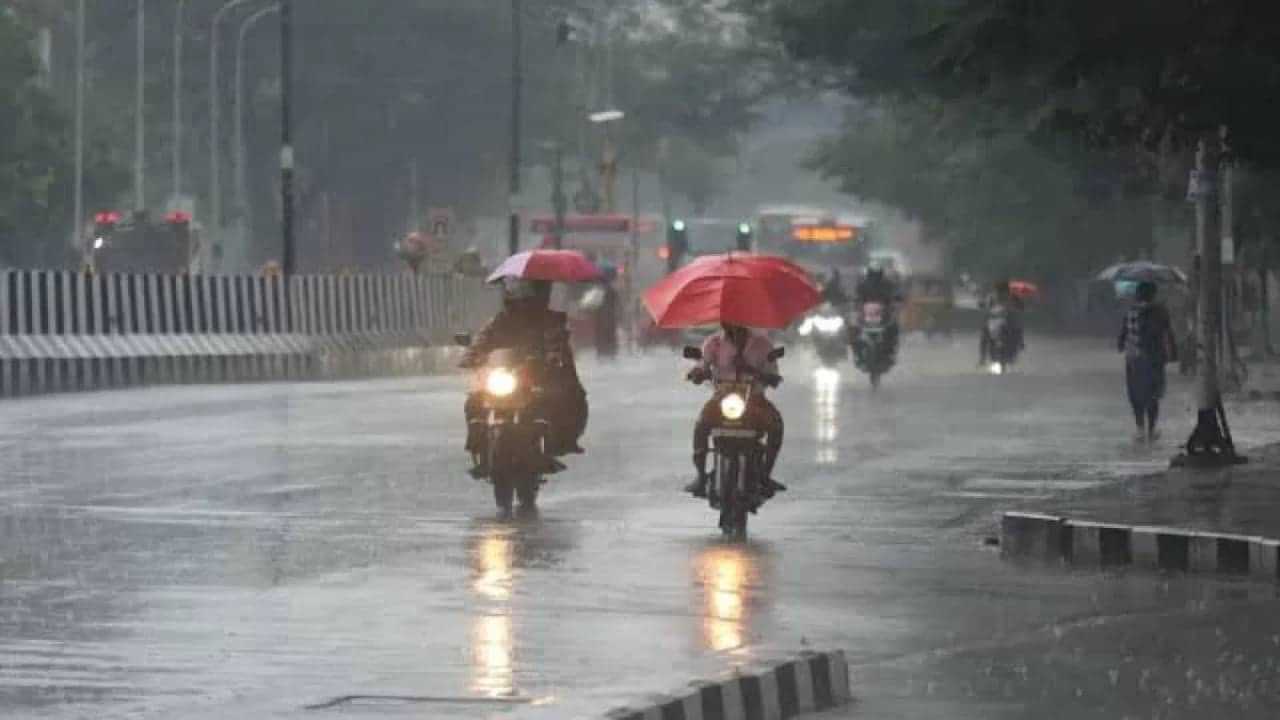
(253, 550)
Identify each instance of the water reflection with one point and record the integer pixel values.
(726, 574)
(826, 389)
(502, 556)
(492, 656)
(494, 562)
(492, 633)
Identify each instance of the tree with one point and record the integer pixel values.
(1146, 75)
(36, 159)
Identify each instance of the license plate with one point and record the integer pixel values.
(732, 433)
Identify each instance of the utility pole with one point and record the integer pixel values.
(1210, 443)
(139, 124)
(286, 136)
(241, 154)
(178, 11)
(415, 213)
(215, 137)
(558, 201)
(517, 82)
(78, 192)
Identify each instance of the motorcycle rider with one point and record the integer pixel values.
(724, 355)
(527, 322)
(833, 292)
(1001, 296)
(877, 287)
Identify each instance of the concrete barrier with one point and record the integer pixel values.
(64, 331)
(809, 683)
(1083, 543)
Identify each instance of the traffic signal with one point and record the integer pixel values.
(744, 237)
(104, 224)
(677, 243)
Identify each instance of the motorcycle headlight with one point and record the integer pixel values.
(997, 368)
(828, 324)
(501, 382)
(733, 406)
(98, 243)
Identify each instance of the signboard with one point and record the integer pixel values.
(440, 224)
(824, 233)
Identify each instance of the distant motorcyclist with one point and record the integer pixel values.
(527, 322)
(1001, 299)
(736, 354)
(833, 292)
(877, 287)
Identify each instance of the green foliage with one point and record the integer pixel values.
(1008, 114)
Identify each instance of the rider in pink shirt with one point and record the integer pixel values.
(724, 356)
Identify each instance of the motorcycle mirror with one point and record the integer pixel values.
(692, 353)
(777, 353)
(462, 339)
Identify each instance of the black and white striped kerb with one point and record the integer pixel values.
(809, 683)
(1084, 543)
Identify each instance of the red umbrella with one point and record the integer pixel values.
(553, 265)
(757, 291)
(1023, 289)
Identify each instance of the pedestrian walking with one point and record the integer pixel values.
(1148, 343)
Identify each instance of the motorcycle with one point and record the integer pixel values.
(515, 435)
(826, 330)
(737, 476)
(1002, 346)
(874, 348)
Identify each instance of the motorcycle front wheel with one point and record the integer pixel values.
(733, 506)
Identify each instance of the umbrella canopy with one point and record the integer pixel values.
(757, 291)
(1024, 289)
(552, 265)
(1142, 270)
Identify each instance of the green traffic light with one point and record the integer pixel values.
(744, 229)
(677, 225)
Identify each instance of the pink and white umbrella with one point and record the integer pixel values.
(552, 265)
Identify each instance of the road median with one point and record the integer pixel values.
(809, 683)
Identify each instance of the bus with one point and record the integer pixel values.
(820, 239)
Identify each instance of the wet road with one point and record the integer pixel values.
(251, 550)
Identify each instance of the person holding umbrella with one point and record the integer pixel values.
(737, 292)
(1148, 343)
(526, 321)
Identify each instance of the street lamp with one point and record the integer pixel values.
(609, 161)
(178, 12)
(78, 193)
(215, 187)
(241, 172)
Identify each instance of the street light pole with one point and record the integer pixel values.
(517, 81)
(139, 124)
(241, 198)
(215, 181)
(78, 192)
(286, 136)
(179, 11)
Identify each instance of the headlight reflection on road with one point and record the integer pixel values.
(493, 566)
(826, 402)
(492, 631)
(493, 649)
(724, 573)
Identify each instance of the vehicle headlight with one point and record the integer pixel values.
(733, 406)
(98, 243)
(501, 382)
(828, 324)
(806, 327)
(997, 368)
